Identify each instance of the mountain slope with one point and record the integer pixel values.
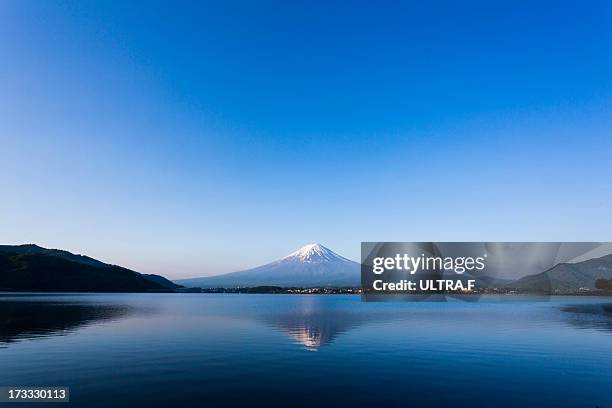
(568, 276)
(160, 280)
(33, 249)
(33, 268)
(311, 266)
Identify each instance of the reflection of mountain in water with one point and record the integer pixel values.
(316, 327)
(590, 316)
(21, 320)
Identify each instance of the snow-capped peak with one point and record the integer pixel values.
(310, 266)
(313, 253)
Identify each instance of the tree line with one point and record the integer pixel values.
(604, 284)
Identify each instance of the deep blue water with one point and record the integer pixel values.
(298, 350)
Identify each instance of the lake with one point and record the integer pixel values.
(308, 350)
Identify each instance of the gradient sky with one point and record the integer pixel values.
(191, 139)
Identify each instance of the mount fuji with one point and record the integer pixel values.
(310, 266)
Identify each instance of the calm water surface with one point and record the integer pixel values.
(298, 350)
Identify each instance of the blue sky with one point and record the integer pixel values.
(194, 138)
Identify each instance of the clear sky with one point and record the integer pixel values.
(195, 138)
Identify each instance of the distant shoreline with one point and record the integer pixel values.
(359, 291)
(323, 291)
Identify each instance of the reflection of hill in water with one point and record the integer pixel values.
(21, 320)
(590, 316)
